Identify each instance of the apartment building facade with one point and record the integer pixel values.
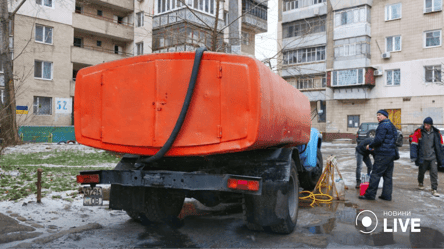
(53, 40)
(385, 55)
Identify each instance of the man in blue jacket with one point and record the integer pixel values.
(384, 146)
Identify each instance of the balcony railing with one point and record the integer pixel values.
(101, 49)
(255, 22)
(185, 15)
(310, 84)
(105, 18)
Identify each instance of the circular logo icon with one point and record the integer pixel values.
(366, 221)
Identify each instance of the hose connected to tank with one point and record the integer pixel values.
(183, 113)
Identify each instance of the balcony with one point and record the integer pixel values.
(304, 69)
(352, 30)
(255, 23)
(96, 25)
(357, 92)
(308, 40)
(304, 13)
(185, 15)
(123, 5)
(94, 55)
(341, 4)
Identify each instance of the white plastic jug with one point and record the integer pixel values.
(340, 188)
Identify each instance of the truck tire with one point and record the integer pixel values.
(292, 203)
(162, 205)
(286, 204)
(159, 205)
(310, 177)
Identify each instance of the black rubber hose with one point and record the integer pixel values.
(183, 113)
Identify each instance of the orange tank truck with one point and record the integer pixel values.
(211, 126)
(132, 105)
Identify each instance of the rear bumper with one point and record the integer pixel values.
(191, 181)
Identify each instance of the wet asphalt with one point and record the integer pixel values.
(325, 225)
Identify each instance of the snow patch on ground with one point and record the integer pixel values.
(48, 147)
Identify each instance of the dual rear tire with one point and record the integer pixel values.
(278, 206)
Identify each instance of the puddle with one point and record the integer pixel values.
(163, 235)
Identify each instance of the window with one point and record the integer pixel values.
(393, 77)
(226, 18)
(353, 121)
(305, 83)
(47, 3)
(99, 43)
(118, 49)
(433, 74)
(2, 96)
(78, 42)
(2, 80)
(42, 105)
(74, 74)
(208, 6)
(140, 19)
(432, 5)
(79, 9)
(43, 34)
(245, 38)
(255, 9)
(99, 13)
(393, 43)
(393, 12)
(304, 55)
(324, 81)
(322, 112)
(43, 70)
(348, 77)
(304, 27)
(319, 1)
(139, 48)
(432, 38)
(355, 15)
(119, 19)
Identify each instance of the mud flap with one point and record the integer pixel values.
(269, 208)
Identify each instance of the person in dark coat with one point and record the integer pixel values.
(362, 154)
(427, 152)
(384, 146)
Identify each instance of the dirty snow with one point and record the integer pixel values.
(48, 147)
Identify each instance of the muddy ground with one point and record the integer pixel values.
(58, 224)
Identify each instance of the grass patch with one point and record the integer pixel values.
(65, 158)
(18, 172)
(58, 179)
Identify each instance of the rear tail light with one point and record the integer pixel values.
(239, 184)
(88, 178)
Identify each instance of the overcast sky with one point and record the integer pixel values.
(266, 43)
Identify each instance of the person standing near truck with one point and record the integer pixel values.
(363, 155)
(384, 146)
(427, 152)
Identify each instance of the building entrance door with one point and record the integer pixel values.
(395, 117)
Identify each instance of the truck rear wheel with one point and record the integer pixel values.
(310, 177)
(292, 203)
(284, 206)
(159, 204)
(162, 205)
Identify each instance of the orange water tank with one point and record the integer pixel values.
(238, 104)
